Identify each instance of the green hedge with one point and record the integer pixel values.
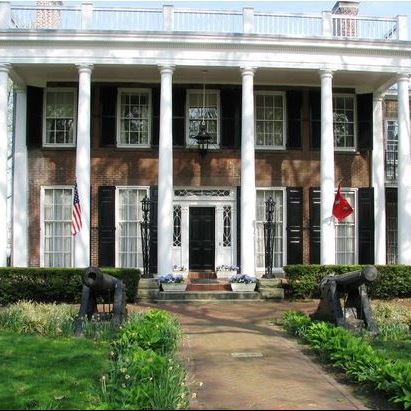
(62, 285)
(303, 280)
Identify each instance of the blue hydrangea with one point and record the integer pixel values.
(170, 278)
(242, 278)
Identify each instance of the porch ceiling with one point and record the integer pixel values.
(39, 74)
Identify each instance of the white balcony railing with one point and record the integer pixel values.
(87, 17)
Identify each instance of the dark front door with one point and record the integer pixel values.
(201, 238)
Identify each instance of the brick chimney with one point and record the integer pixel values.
(345, 27)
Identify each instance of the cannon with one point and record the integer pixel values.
(351, 288)
(98, 284)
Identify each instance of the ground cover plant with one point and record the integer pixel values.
(380, 362)
(45, 367)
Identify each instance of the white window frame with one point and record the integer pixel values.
(191, 143)
(59, 89)
(42, 223)
(353, 147)
(134, 91)
(284, 120)
(348, 193)
(118, 261)
(261, 269)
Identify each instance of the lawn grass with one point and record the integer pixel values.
(40, 372)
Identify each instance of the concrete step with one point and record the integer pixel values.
(208, 286)
(198, 296)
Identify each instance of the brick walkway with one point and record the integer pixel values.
(239, 360)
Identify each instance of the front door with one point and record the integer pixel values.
(202, 238)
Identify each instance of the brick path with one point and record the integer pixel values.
(239, 360)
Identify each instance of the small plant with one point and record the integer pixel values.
(170, 278)
(226, 267)
(179, 267)
(242, 278)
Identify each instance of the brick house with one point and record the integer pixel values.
(293, 104)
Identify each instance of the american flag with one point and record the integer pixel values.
(76, 213)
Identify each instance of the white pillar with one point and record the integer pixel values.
(83, 166)
(165, 175)
(4, 76)
(20, 184)
(327, 170)
(378, 182)
(248, 194)
(404, 172)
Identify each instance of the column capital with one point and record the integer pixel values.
(166, 68)
(325, 73)
(378, 97)
(248, 71)
(85, 67)
(4, 67)
(403, 76)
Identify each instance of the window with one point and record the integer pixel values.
(56, 238)
(211, 115)
(392, 226)
(177, 226)
(269, 120)
(344, 121)
(345, 238)
(278, 258)
(129, 215)
(227, 226)
(60, 117)
(134, 118)
(391, 150)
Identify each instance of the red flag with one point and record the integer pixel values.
(76, 213)
(341, 207)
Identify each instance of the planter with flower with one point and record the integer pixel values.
(172, 282)
(226, 271)
(243, 282)
(180, 269)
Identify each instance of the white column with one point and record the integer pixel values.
(248, 194)
(404, 172)
(4, 76)
(165, 175)
(327, 170)
(378, 182)
(83, 166)
(20, 184)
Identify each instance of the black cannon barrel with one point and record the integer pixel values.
(353, 278)
(99, 281)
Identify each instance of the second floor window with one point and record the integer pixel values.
(203, 106)
(269, 120)
(344, 121)
(134, 118)
(60, 117)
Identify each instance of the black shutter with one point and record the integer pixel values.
(315, 119)
(179, 103)
(106, 226)
(34, 127)
(155, 125)
(230, 117)
(294, 123)
(108, 100)
(153, 229)
(365, 123)
(315, 228)
(239, 226)
(294, 225)
(366, 225)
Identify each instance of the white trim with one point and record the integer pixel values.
(355, 125)
(129, 91)
(44, 120)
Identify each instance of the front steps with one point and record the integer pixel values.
(204, 286)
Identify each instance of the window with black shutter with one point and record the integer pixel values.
(315, 119)
(294, 123)
(153, 229)
(106, 226)
(34, 129)
(366, 225)
(108, 100)
(294, 225)
(230, 117)
(315, 228)
(179, 99)
(364, 121)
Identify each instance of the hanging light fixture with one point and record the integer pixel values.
(203, 138)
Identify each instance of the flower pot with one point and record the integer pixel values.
(226, 273)
(242, 287)
(174, 287)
